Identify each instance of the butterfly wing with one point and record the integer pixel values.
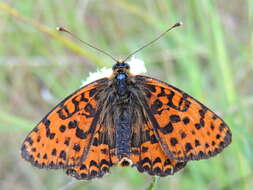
(99, 159)
(185, 128)
(149, 156)
(63, 137)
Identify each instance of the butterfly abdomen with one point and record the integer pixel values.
(123, 133)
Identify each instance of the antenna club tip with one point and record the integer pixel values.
(60, 29)
(178, 24)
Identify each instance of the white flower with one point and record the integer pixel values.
(101, 73)
(137, 66)
(47, 95)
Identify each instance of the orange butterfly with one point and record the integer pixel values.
(125, 119)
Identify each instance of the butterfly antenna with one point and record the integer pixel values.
(91, 46)
(154, 40)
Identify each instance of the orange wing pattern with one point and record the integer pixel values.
(98, 160)
(149, 156)
(62, 139)
(146, 156)
(186, 129)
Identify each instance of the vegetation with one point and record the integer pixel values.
(209, 58)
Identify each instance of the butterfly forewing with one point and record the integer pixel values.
(186, 129)
(63, 137)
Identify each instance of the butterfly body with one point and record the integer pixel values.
(132, 120)
(119, 109)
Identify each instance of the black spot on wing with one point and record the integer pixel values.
(173, 141)
(92, 92)
(188, 147)
(54, 152)
(156, 105)
(62, 128)
(77, 147)
(174, 118)
(167, 128)
(72, 124)
(63, 155)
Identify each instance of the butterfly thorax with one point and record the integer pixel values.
(121, 77)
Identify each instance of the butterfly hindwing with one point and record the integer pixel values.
(61, 139)
(98, 160)
(149, 156)
(186, 129)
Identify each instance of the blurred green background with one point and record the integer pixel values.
(209, 58)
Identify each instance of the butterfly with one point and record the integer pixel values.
(128, 120)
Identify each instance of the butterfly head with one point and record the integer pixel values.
(121, 67)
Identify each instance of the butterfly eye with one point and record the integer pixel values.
(115, 67)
